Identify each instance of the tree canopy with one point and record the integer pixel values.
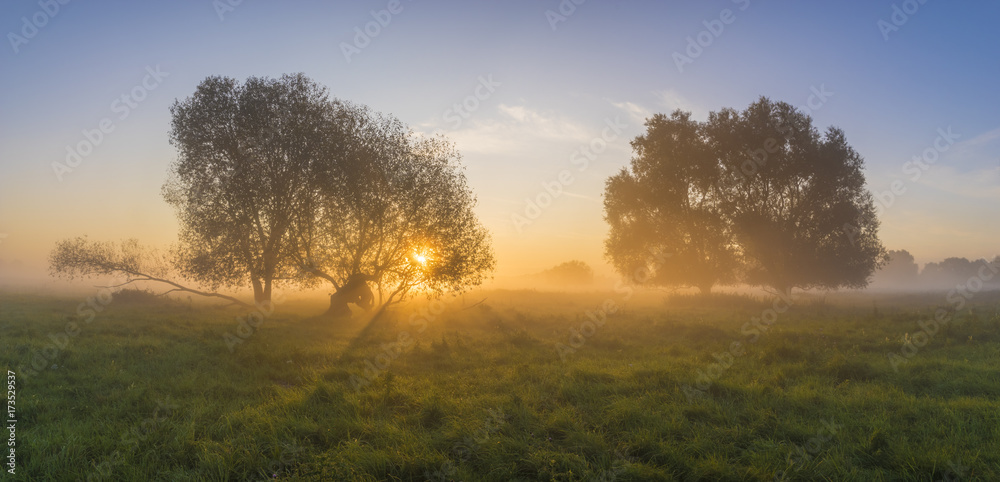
(758, 196)
(245, 154)
(394, 208)
(277, 183)
(668, 202)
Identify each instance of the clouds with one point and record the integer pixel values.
(663, 102)
(672, 100)
(515, 129)
(972, 169)
(977, 184)
(637, 113)
(983, 146)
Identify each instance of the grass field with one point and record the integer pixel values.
(519, 387)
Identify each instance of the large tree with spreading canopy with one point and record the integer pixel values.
(277, 183)
(760, 194)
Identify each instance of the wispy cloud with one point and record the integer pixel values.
(637, 113)
(982, 151)
(514, 128)
(978, 184)
(666, 101)
(980, 140)
(673, 100)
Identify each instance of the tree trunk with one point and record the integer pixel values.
(784, 292)
(338, 307)
(258, 291)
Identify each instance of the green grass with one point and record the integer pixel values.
(148, 390)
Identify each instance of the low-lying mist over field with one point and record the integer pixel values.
(565, 240)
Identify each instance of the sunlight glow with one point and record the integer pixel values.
(421, 256)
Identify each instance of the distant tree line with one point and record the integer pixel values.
(902, 272)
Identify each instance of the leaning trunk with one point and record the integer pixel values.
(338, 305)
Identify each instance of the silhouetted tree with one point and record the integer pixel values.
(666, 202)
(275, 182)
(134, 263)
(393, 208)
(570, 273)
(900, 270)
(950, 271)
(245, 156)
(762, 186)
(796, 200)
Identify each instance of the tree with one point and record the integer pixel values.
(570, 273)
(81, 258)
(245, 157)
(949, 272)
(760, 187)
(275, 182)
(666, 202)
(900, 270)
(391, 208)
(796, 200)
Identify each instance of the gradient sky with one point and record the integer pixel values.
(558, 87)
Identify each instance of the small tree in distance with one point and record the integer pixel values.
(570, 273)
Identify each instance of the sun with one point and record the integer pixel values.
(422, 256)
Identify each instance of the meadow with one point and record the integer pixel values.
(508, 385)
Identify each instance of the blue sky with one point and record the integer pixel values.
(554, 90)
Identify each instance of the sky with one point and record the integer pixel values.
(526, 90)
